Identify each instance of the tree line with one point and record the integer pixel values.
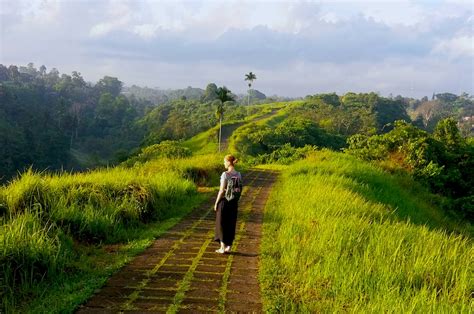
(54, 121)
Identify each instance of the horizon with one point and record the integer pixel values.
(408, 48)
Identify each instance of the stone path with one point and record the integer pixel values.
(181, 273)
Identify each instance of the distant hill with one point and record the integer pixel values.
(160, 96)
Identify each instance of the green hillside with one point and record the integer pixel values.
(340, 233)
(343, 235)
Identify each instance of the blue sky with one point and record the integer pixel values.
(412, 48)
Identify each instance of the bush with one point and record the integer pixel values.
(444, 161)
(255, 140)
(165, 149)
(285, 154)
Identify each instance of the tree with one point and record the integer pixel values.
(42, 70)
(250, 77)
(210, 93)
(446, 97)
(77, 79)
(447, 132)
(110, 85)
(223, 95)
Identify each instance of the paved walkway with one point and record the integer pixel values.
(180, 272)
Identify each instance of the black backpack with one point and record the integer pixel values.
(234, 186)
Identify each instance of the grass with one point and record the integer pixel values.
(206, 142)
(238, 138)
(93, 266)
(49, 222)
(341, 235)
(98, 205)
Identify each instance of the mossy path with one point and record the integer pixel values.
(181, 272)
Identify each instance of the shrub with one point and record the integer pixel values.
(165, 149)
(255, 139)
(444, 161)
(285, 154)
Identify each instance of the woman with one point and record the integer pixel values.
(227, 204)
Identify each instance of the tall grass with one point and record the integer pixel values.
(45, 214)
(30, 249)
(98, 205)
(343, 236)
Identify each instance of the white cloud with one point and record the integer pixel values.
(119, 15)
(296, 47)
(146, 31)
(39, 11)
(461, 46)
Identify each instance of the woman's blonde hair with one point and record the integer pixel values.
(231, 159)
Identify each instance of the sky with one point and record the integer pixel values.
(295, 48)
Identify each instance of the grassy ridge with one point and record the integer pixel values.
(50, 222)
(206, 142)
(341, 235)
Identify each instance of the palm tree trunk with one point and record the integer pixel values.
(248, 102)
(220, 132)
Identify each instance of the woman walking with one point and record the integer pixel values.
(227, 204)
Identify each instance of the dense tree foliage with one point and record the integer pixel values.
(365, 113)
(427, 113)
(443, 160)
(263, 140)
(53, 121)
(178, 119)
(161, 96)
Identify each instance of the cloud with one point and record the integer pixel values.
(296, 47)
(358, 39)
(461, 46)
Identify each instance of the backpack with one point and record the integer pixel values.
(234, 187)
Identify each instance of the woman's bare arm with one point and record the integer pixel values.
(220, 194)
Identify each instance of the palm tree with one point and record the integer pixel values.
(250, 77)
(223, 95)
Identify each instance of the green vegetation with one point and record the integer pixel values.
(50, 222)
(427, 113)
(371, 237)
(281, 137)
(165, 149)
(58, 121)
(444, 160)
(361, 242)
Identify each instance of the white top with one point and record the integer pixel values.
(225, 173)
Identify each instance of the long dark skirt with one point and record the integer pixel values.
(226, 219)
